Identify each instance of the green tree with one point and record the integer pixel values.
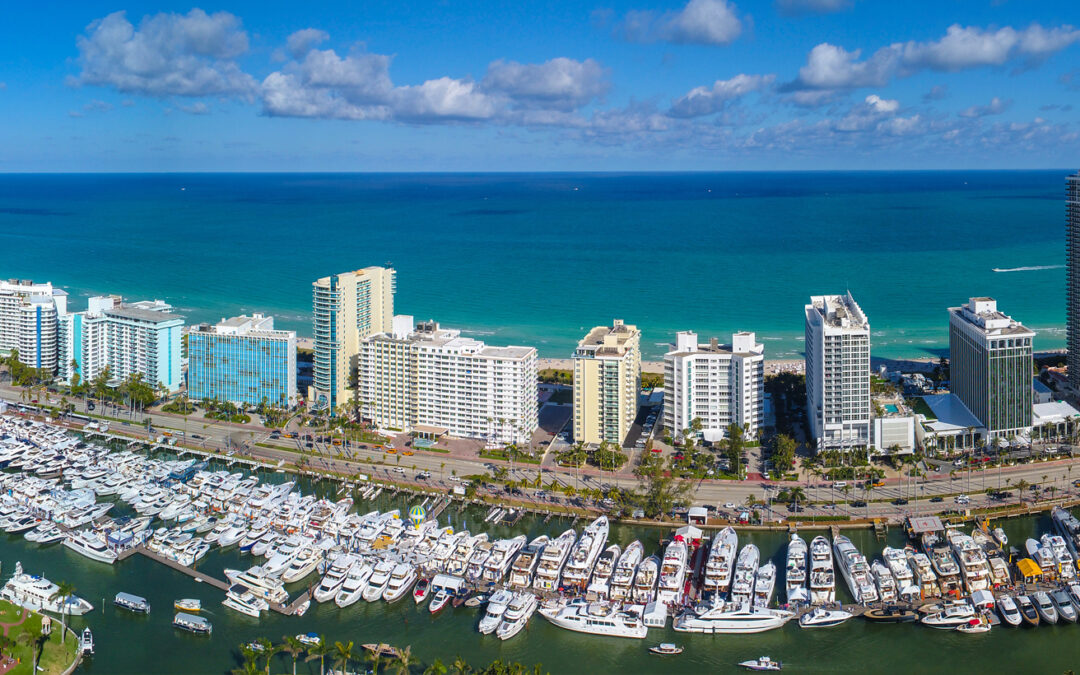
(436, 668)
(461, 667)
(63, 592)
(319, 651)
(405, 661)
(33, 637)
(343, 654)
(660, 494)
(294, 647)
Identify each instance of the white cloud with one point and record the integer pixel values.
(443, 99)
(284, 95)
(833, 67)
(868, 114)
(708, 100)
(996, 106)
(882, 105)
(303, 40)
(559, 84)
(701, 22)
(797, 7)
(189, 54)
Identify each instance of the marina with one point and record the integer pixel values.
(522, 619)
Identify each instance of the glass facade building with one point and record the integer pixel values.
(243, 361)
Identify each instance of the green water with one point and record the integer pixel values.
(129, 643)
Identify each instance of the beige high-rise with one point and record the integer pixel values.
(607, 377)
(347, 308)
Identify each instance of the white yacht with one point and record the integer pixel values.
(1068, 526)
(524, 567)
(401, 580)
(721, 562)
(600, 584)
(334, 578)
(39, 594)
(924, 573)
(950, 615)
(90, 545)
(1008, 611)
(822, 575)
(622, 579)
(746, 567)
(261, 584)
(598, 618)
(459, 559)
(583, 557)
(897, 562)
(303, 563)
(474, 569)
(724, 618)
(795, 574)
(496, 608)
(973, 566)
(241, 599)
(552, 560)
(648, 572)
(883, 579)
(946, 569)
(502, 556)
(380, 578)
(1063, 559)
(819, 617)
(855, 571)
(517, 615)
(354, 584)
(764, 584)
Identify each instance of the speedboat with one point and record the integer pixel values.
(762, 663)
(1027, 610)
(496, 608)
(517, 615)
(977, 625)
(666, 649)
(86, 642)
(951, 615)
(421, 590)
(188, 605)
(1008, 611)
(1044, 606)
(1063, 605)
(311, 639)
(819, 617)
(440, 600)
(891, 614)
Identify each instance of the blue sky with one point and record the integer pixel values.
(485, 86)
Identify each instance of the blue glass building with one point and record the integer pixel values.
(244, 361)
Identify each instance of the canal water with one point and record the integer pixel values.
(128, 643)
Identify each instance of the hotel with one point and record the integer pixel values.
(426, 379)
(837, 372)
(127, 338)
(607, 377)
(29, 317)
(717, 384)
(347, 308)
(243, 361)
(990, 366)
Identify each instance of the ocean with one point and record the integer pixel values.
(537, 259)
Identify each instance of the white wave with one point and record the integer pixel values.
(1030, 268)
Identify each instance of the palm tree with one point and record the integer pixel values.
(795, 495)
(248, 667)
(404, 661)
(343, 654)
(1022, 485)
(436, 668)
(33, 636)
(294, 647)
(63, 592)
(461, 667)
(374, 657)
(268, 650)
(320, 651)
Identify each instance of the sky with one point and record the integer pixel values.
(638, 85)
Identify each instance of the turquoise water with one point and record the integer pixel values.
(536, 259)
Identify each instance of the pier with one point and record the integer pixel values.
(193, 573)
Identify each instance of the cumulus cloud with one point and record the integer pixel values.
(996, 106)
(301, 41)
(560, 84)
(708, 100)
(832, 67)
(189, 55)
(867, 114)
(798, 7)
(701, 22)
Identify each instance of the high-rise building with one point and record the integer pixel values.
(429, 379)
(29, 314)
(347, 308)
(244, 361)
(1072, 278)
(837, 372)
(716, 384)
(138, 337)
(607, 377)
(990, 366)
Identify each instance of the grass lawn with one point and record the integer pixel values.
(502, 456)
(918, 405)
(54, 658)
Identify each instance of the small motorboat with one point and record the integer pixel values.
(86, 642)
(383, 650)
(979, 625)
(188, 605)
(1027, 610)
(891, 614)
(1000, 538)
(303, 608)
(762, 663)
(666, 648)
(1008, 611)
(1044, 607)
(476, 600)
(422, 590)
(819, 617)
(311, 639)
(440, 600)
(1064, 606)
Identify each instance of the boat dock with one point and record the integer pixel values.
(194, 574)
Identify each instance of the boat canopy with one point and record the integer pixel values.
(448, 582)
(1028, 568)
(130, 599)
(191, 619)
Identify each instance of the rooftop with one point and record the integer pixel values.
(951, 413)
(608, 340)
(140, 314)
(983, 315)
(743, 344)
(840, 312)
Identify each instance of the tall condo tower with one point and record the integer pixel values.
(837, 372)
(1072, 277)
(607, 376)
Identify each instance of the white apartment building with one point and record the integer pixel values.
(607, 378)
(347, 308)
(838, 372)
(139, 337)
(717, 384)
(425, 378)
(29, 314)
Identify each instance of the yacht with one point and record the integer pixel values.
(600, 584)
(517, 615)
(552, 560)
(459, 559)
(720, 564)
(972, 558)
(1068, 526)
(795, 575)
(1008, 611)
(583, 557)
(474, 569)
(401, 580)
(951, 615)
(1041, 555)
(524, 567)
(90, 545)
(819, 617)
(334, 578)
(669, 589)
(719, 618)
(241, 599)
(923, 570)
(380, 578)
(39, 594)
(622, 579)
(1066, 563)
(495, 610)
(598, 618)
(501, 558)
(822, 576)
(1064, 606)
(302, 564)
(354, 584)
(946, 569)
(644, 590)
(742, 588)
(1027, 610)
(1044, 606)
(192, 623)
(897, 562)
(260, 583)
(883, 579)
(855, 571)
(764, 584)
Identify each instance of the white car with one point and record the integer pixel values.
(453, 479)
(398, 469)
(730, 505)
(962, 499)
